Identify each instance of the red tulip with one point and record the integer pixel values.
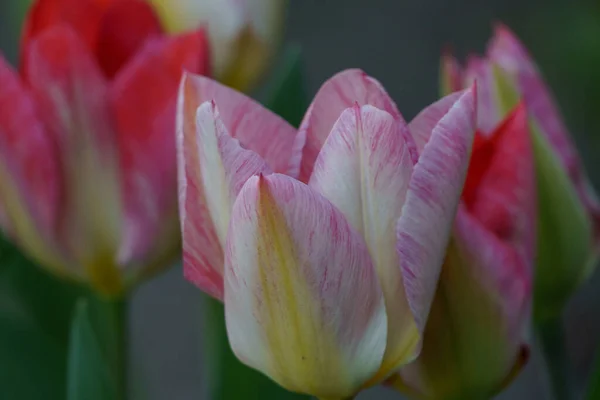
(87, 142)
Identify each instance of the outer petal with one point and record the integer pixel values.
(214, 170)
(478, 318)
(364, 169)
(123, 30)
(257, 128)
(143, 100)
(482, 305)
(225, 20)
(506, 50)
(74, 107)
(83, 16)
(451, 74)
(481, 70)
(302, 299)
(431, 201)
(422, 125)
(30, 178)
(344, 90)
(244, 34)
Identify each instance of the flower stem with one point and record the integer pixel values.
(594, 383)
(111, 326)
(552, 338)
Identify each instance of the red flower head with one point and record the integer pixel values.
(87, 138)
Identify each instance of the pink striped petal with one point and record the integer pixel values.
(480, 70)
(342, 91)
(422, 125)
(73, 105)
(484, 294)
(431, 201)
(30, 179)
(202, 250)
(257, 128)
(302, 299)
(145, 119)
(508, 52)
(211, 174)
(364, 168)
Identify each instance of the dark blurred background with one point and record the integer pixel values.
(399, 43)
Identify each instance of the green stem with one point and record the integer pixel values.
(552, 339)
(594, 383)
(112, 327)
(97, 352)
(110, 323)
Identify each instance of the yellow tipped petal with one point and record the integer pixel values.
(302, 300)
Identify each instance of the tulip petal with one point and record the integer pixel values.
(481, 70)
(431, 201)
(257, 128)
(484, 293)
(123, 30)
(73, 103)
(507, 51)
(364, 168)
(30, 177)
(302, 299)
(82, 16)
(451, 79)
(223, 168)
(143, 98)
(479, 317)
(342, 91)
(422, 125)
(504, 198)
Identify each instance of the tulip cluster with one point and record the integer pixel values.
(356, 250)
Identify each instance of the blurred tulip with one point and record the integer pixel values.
(315, 266)
(87, 153)
(474, 342)
(568, 210)
(243, 34)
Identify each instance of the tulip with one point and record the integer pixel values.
(326, 244)
(568, 219)
(243, 34)
(475, 340)
(87, 156)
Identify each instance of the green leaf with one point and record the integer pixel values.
(227, 377)
(33, 364)
(564, 239)
(35, 313)
(287, 93)
(95, 370)
(593, 392)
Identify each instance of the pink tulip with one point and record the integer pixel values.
(327, 279)
(87, 155)
(568, 212)
(475, 340)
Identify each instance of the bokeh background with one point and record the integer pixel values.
(398, 42)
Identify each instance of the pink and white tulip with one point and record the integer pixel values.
(327, 273)
(475, 341)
